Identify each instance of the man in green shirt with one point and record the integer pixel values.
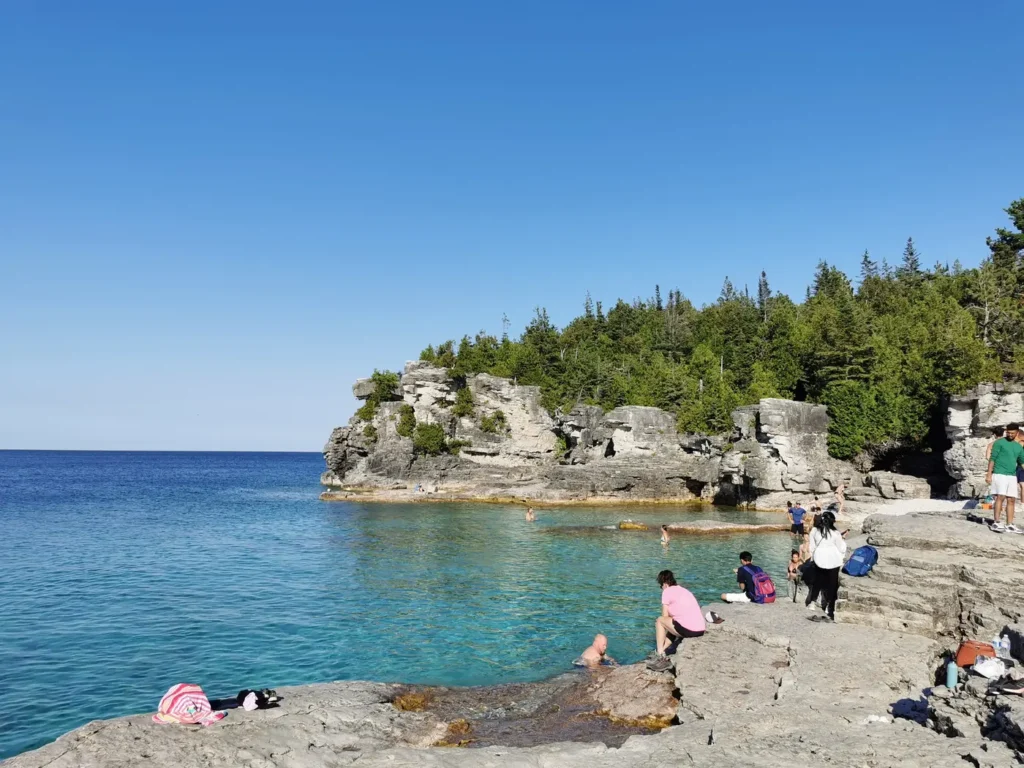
(1004, 458)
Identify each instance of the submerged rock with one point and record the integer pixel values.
(706, 527)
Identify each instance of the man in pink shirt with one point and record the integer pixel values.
(680, 617)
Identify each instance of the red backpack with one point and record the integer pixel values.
(764, 587)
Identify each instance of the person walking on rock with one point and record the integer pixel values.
(828, 548)
(1004, 458)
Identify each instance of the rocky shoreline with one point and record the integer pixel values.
(767, 687)
(502, 446)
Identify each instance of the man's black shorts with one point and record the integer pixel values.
(682, 631)
(797, 528)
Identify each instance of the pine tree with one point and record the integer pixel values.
(764, 294)
(868, 267)
(728, 292)
(911, 260)
(657, 298)
(588, 307)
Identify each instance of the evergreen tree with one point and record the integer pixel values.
(911, 260)
(764, 295)
(883, 357)
(868, 268)
(728, 292)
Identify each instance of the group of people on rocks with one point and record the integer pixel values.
(815, 564)
(1005, 476)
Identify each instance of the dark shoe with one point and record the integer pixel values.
(660, 664)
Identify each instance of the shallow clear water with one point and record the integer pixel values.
(124, 573)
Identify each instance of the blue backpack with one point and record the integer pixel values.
(862, 561)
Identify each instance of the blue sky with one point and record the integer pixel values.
(215, 216)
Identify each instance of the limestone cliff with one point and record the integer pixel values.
(777, 451)
(970, 420)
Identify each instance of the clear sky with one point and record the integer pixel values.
(215, 216)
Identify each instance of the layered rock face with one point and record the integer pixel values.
(937, 576)
(969, 423)
(778, 451)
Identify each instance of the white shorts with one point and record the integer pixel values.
(1004, 485)
(736, 597)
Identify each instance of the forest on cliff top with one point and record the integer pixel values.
(882, 351)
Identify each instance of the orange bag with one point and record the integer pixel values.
(970, 650)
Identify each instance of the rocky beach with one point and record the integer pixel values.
(767, 687)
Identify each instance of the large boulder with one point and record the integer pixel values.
(637, 429)
(970, 420)
(783, 446)
(894, 486)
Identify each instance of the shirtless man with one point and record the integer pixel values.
(596, 654)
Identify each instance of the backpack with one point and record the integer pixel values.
(861, 561)
(764, 587)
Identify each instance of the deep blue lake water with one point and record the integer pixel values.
(124, 573)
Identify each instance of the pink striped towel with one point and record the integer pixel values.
(186, 704)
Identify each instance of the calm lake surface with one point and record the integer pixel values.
(124, 573)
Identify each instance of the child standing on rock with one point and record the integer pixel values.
(793, 574)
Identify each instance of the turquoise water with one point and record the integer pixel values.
(124, 573)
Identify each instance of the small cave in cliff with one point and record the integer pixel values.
(609, 450)
(924, 460)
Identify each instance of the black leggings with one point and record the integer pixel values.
(826, 583)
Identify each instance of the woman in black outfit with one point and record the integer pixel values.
(828, 550)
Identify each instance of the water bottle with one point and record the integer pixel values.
(1004, 647)
(951, 674)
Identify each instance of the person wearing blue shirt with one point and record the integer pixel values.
(796, 518)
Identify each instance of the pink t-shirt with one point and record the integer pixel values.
(683, 608)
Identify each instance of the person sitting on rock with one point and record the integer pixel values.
(796, 518)
(744, 579)
(805, 548)
(680, 618)
(596, 654)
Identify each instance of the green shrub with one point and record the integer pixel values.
(850, 411)
(454, 446)
(370, 433)
(406, 421)
(463, 403)
(428, 439)
(384, 385)
(495, 423)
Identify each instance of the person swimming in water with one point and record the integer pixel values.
(597, 654)
(530, 517)
(664, 534)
